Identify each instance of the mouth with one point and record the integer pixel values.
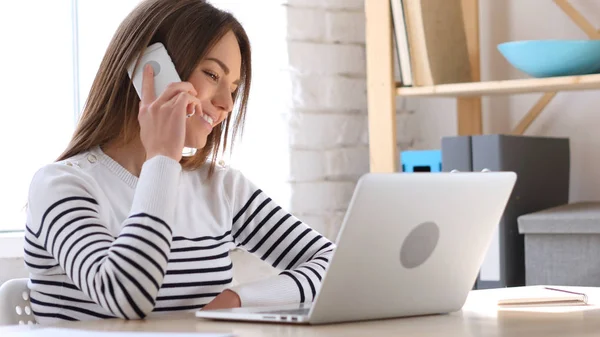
(207, 118)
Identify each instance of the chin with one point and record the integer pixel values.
(196, 143)
(195, 139)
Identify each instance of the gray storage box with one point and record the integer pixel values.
(542, 165)
(562, 245)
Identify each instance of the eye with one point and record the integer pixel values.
(212, 76)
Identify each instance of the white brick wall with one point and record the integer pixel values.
(343, 164)
(328, 4)
(306, 24)
(327, 130)
(345, 27)
(327, 121)
(321, 196)
(326, 58)
(334, 92)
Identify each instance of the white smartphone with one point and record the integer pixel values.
(164, 73)
(164, 70)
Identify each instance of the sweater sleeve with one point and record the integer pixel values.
(263, 228)
(122, 274)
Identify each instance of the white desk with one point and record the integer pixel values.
(479, 317)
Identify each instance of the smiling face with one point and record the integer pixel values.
(215, 79)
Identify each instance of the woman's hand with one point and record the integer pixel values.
(226, 300)
(162, 119)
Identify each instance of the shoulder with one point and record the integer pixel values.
(231, 178)
(61, 176)
(61, 186)
(238, 187)
(222, 175)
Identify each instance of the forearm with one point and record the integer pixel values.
(122, 274)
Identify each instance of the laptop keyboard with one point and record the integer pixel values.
(297, 312)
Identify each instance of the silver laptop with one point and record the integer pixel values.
(411, 244)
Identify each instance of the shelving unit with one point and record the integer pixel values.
(566, 83)
(382, 88)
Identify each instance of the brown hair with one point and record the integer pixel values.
(188, 29)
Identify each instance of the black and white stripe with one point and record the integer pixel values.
(277, 237)
(84, 268)
(123, 274)
(193, 278)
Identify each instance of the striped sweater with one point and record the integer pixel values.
(102, 243)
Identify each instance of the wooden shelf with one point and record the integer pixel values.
(474, 89)
(382, 91)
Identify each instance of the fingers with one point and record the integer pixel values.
(187, 103)
(191, 110)
(195, 106)
(181, 103)
(175, 89)
(172, 90)
(148, 95)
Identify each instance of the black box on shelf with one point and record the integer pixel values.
(542, 165)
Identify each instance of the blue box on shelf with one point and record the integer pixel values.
(421, 161)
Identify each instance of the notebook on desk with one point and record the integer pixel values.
(545, 296)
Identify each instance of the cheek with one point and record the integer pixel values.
(200, 85)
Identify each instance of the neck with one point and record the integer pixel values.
(131, 155)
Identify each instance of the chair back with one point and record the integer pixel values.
(15, 307)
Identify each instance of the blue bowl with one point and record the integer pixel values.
(548, 58)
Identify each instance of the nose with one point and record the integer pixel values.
(223, 100)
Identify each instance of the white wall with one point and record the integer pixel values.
(12, 267)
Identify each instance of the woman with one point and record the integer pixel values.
(123, 226)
